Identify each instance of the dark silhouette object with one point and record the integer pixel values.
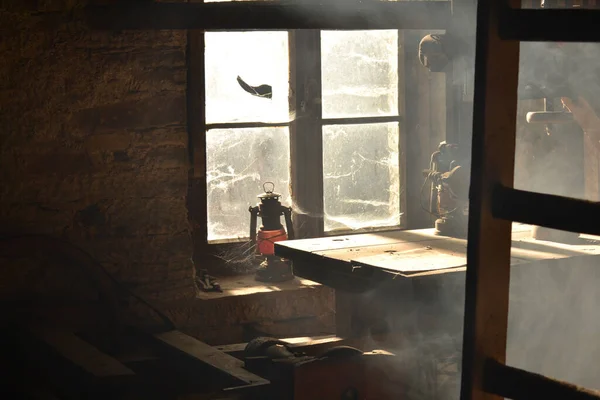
(265, 91)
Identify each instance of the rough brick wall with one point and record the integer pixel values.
(93, 142)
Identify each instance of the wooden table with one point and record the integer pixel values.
(403, 286)
(409, 254)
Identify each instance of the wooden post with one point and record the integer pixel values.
(306, 140)
(489, 240)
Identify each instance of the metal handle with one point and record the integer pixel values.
(287, 213)
(253, 222)
(549, 117)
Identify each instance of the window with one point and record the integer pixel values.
(357, 120)
(327, 131)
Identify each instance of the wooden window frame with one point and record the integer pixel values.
(306, 149)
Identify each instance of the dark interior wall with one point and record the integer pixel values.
(425, 125)
(93, 143)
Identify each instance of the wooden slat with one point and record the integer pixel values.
(291, 248)
(71, 365)
(551, 211)
(82, 354)
(352, 15)
(206, 355)
(421, 251)
(568, 25)
(361, 120)
(489, 239)
(517, 384)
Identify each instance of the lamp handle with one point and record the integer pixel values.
(287, 213)
(253, 221)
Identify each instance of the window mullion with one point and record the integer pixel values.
(244, 125)
(306, 142)
(402, 142)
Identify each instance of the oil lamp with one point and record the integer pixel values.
(270, 210)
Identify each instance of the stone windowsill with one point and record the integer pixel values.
(245, 285)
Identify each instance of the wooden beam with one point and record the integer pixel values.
(546, 210)
(306, 138)
(199, 352)
(262, 15)
(73, 365)
(489, 239)
(516, 384)
(82, 354)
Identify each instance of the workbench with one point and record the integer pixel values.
(398, 289)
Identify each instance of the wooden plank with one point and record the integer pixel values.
(377, 239)
(83, 355)
(541, 209)
(262, 15)
(489, 239)
(293, 248)
(341, 242)
(200, 352)
(408, 258)
(72, 366)
(400, 250)
(517, 384)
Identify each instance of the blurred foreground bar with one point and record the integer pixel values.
(271, 16)
(517, 384)
(552, 25)
(550, 211)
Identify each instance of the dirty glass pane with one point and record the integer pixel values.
(238, 162)
(258, 58)
(360, 73)
(361, 176)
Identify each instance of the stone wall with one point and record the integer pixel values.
(93, 144)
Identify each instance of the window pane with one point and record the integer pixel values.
(362, 177)
(259, 58)
(360, 73)
(238, 162)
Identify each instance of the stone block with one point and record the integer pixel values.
(157, 216)
(61, 163)
(162, 136)
(139, 250)
(76, 191)
(33, 218)
(240, 310)
(156, 111)
(108, 142)
(168, 157)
